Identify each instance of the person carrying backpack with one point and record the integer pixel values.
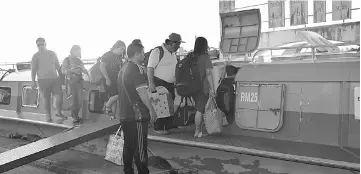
(161, 72)
(73, 68)
(194, 78)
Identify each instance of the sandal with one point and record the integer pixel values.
(108, 111)
(61, 116)
(77, 121)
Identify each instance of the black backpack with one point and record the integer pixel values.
(225, 98)
(147, 54)
(188, 80)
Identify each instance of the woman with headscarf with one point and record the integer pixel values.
(73, 68)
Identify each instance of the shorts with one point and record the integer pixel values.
(50, 86)
(200, 100)
(111, 90)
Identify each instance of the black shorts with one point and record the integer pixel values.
(111, 90)
(200, 100)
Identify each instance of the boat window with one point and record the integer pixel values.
(5, 95)
(30, 97)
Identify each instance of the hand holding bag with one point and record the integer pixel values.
(213, 117)
(115, 145)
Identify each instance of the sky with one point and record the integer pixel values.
(96, 25)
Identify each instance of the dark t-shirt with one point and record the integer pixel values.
(134, 78)
(113, 64)
(203, 63)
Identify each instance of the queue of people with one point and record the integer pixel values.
(127, 81)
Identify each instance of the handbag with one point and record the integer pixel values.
(114, 152)
(213, 117)
(141, 112)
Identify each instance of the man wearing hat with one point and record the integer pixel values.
(162, 73)
(45, 65)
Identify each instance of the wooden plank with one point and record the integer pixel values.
(59, 142)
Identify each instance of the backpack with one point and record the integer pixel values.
(225, 98)
(188, 80)
(95, 75)
(71, 76)
(147, 54)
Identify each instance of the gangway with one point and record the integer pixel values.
(45, 147)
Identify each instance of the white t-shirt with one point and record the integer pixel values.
(165, 68)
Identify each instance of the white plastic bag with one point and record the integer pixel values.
(213, 117)
(115, 145)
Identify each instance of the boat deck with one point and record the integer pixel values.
(261, 144)
(269, 145)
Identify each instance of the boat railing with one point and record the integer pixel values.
(314, 54)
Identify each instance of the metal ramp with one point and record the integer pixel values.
(45, 147)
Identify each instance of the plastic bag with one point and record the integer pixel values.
(115, 145)
(213, 117)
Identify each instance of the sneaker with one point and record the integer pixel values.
(162, 132)
(77, 121)
(182, 127)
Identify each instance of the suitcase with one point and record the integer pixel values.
(185, 113)
(96, 101)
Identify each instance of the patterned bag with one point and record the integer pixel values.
(115, 145)
(213, 117)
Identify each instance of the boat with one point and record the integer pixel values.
(294, 114)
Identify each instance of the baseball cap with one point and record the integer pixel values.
(175, 38)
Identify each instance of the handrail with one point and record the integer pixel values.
(313, 47)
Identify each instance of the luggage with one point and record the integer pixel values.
(225, 98)
(185, 113)
(162, 102)
(188, 80)
(96, 101)
(213, 117)
(114, 152)
(147, 54)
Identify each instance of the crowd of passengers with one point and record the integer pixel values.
(125, 78)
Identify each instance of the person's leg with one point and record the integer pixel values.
(200, 104)
(130, 146)
(45, 90)
(110, 104)
(76, 99)
(56, 90)
(141, 154)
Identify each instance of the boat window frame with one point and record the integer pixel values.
(3, 103)
(22, 97)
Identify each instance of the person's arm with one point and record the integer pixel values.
(83, 70)
(57, 64)
(103, 66)
(140, 84)
(64, 66)
(34, 68)
(152, 63)
(209, 72)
